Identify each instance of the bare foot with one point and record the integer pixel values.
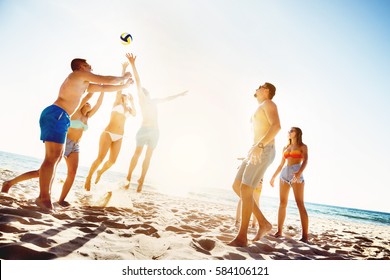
(140, 184)
(45, 205)
(305, 240)
(238, 243)
(87, 185)
(64, 203)
(278, 234)
(98, 175)
(127, 184)
(262, 231)
(6, 186)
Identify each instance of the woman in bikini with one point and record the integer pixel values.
(78, 124)
(111, 137)
(296, 156)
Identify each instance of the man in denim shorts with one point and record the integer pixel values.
(266, 125)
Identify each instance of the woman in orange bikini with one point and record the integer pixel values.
(296, 155)
(111, 137)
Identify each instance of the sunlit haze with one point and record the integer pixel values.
(329, 61)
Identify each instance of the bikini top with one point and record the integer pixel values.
(78, 124)
(121, 110)
(293, 154)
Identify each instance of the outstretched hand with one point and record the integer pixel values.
(124, 65)
(131, 57)
(127, 75)
(128, 82)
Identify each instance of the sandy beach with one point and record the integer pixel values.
(154, 226)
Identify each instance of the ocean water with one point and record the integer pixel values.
(20, 163)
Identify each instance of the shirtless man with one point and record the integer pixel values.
(55, 119)
(266, 125)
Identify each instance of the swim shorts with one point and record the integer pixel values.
(252, 174)
(147, 136)
(54, 123)
(288, 171)
(71, 147)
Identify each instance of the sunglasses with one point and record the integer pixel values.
(255, 95)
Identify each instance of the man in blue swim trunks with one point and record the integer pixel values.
(55, 119)
(266, 125)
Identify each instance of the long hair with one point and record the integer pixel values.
(299, 133)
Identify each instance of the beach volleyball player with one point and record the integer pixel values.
(55, 119)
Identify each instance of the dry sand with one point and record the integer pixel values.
(153, 226)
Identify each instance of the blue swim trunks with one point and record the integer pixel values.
(54, 123)
(147, 136)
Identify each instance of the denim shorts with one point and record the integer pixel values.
(288, 171)
(252, 174)
(71, 147)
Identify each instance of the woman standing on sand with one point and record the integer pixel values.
(296, 155)
(111, 137)
(78, 124)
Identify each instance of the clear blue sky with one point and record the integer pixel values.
(328, 59)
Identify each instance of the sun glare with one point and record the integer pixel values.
(185, 159)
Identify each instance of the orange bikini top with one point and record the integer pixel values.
(293, 154)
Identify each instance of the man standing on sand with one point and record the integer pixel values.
(266, 125)
(55, 119)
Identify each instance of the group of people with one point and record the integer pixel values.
(61, 133)
(63, 123)
(249, 178)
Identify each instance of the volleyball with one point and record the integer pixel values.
(126, 38)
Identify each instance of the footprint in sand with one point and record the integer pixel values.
(203, 245)
(153, 248)
(96, 219)
(176, 230)
(193, 229)
(364, 239)
(145, 229)
(225, 238)
(9, 229)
